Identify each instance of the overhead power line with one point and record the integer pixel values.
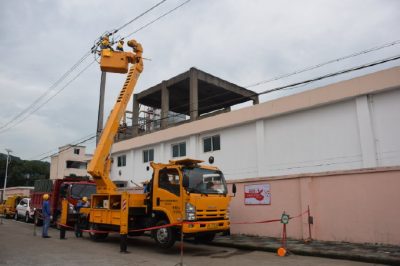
(139, 16)
(373, 49)
(290, 86)
(52, 151)
(44, 94)
(17, 122)
(6, 126)
(158, 18)
(378, 62)
(69, 147)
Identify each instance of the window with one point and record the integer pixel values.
(76, 151)
(179, 149)
(169, 180)
(211, 143)
(122, 160)
(148, 155)
(76, 164)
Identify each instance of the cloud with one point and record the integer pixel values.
(241, 41)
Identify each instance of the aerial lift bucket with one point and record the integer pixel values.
(114, 61)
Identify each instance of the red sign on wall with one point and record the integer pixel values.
(258, 194)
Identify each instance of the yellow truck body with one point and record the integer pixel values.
(191, 197)
(8, 208)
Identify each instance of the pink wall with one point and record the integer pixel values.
(355, 206)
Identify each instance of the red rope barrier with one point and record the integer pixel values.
(177, 224)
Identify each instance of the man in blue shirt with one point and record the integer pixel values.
(46, 215)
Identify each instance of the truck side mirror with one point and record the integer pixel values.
(185, 181)
(234, 189)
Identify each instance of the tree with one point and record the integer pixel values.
(22, 172)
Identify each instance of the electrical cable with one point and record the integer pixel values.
(158, 18)
(271, 90)
(139, 16)
(373, 49)
(69, 147)
(142, 27)
(50, 98)
(293, 85)
(44, 94)
(68, 72)
(54, 150)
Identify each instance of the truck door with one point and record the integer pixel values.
(167, 194)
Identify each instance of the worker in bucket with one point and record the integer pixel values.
(120, 45)
(46, 216)
(84, 203)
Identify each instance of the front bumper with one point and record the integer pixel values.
(205, 226)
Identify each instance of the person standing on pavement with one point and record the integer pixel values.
(46, 216)
(79, 224)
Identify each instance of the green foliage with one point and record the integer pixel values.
(22, 172)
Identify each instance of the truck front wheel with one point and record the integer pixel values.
(96, 236)
(165, 237)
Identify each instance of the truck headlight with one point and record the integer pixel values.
(190, 211)
(228, 211)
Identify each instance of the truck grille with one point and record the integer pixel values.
(211, 214)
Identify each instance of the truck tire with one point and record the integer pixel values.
(36, 220)
(27, 220)
(96, 236)
(204, 238)
(164, 237)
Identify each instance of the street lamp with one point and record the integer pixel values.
(5, 179)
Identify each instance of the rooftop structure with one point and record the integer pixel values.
(189, 96)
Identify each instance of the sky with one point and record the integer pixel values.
(242, 41)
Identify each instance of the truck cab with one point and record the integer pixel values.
(185, 191)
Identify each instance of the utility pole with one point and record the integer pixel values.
(5, 179)
(101, 106)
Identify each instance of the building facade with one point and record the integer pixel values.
(335, 149)
(70, 161)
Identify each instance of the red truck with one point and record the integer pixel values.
(71, 188)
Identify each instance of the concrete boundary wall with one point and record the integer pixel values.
(360, 206)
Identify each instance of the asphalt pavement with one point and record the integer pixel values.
(18, 246)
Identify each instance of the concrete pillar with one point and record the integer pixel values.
(260, 138)
(135, 116)
(161, 156)
(194, 94)
(192, 151)
(365, 129)
(164, 104)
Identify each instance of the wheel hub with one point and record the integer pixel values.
(162, 235)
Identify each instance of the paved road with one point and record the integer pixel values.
(18, 246)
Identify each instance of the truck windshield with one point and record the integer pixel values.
(205, 181)
(82, 190)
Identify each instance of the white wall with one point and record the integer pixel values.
(316, 140)
(361, 132)
(386, 124)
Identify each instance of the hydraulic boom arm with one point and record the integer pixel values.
(99, 166)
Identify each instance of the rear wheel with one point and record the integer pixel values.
(27, 220)
(96, 236)
(165, 237)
